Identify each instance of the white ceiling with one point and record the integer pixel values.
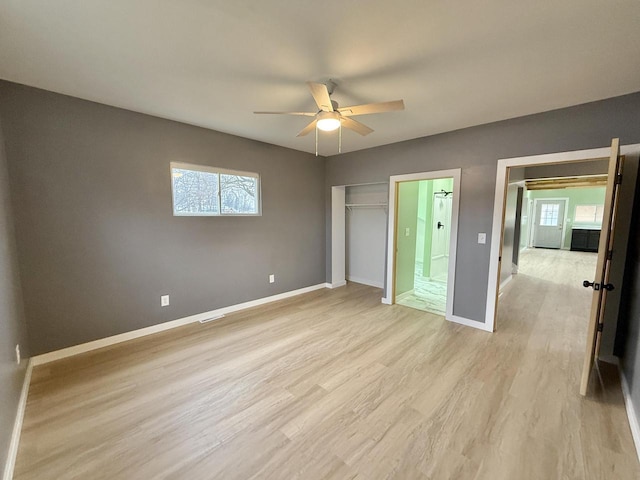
(213, 62)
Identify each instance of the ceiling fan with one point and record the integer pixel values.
(330, 116)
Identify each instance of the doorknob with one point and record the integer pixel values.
(597, 286)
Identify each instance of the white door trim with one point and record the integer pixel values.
(338, 235)
(564, 220)
(453, 240)
(498, 206)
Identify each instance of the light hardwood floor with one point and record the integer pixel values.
(333, 384)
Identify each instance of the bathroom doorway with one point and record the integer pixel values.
(423, 243)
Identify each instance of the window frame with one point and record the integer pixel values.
(595, 221)
(555, 214)
(218, 171)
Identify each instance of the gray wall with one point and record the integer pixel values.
(476, 150)
(12, 329)
(628, 337)
(509, 239)
(517, 232)
(97, 242)
(595, 167)
(623, 236)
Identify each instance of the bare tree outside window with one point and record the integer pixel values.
(238, 193)
(195, 192)
(207, 191)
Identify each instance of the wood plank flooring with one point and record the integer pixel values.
(335, 385)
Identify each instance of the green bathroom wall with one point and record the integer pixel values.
(429, 187)
(576, 196)
(415, 213)
(408, 193)
(425, 212)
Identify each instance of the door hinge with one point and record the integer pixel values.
(619, 179)
(610, 255)
(600, 327)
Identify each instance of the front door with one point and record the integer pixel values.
(549, 221)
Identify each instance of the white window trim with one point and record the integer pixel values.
(216, 170)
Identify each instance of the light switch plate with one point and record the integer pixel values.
(482, 238)
(164, 301)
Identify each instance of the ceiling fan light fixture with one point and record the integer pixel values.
(328, 121)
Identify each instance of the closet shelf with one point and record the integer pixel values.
(366, 205)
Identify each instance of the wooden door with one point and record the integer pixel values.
(601, 283)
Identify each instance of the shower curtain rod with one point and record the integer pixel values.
(442, 192)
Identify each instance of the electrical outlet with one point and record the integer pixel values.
(482, 238)
(18, 354)
(272, 278)
(164, 301)
(407, 232)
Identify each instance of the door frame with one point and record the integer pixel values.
(394, 180)
(564, 220)
(502, 177)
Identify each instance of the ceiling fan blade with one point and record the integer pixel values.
(357, 127)
(306, 114)
(321, 96)
(308, 129)
(372, 108)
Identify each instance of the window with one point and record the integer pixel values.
(549, 214)
(589, 214)
(210, 191)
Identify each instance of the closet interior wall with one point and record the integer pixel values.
(366, 232)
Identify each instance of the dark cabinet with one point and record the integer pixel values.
(585, 240)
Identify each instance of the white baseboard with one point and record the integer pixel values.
(634, 423)
(341, 283)
(455, 319)
(364, 281)
(505, 282)
(17, 425)
(143, 332)
(469, 323)
(404, 295)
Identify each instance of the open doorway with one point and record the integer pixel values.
(555, 224)
(565, 222)
(564, 232)
(422, 238)
(423, 243)
(548, 300)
